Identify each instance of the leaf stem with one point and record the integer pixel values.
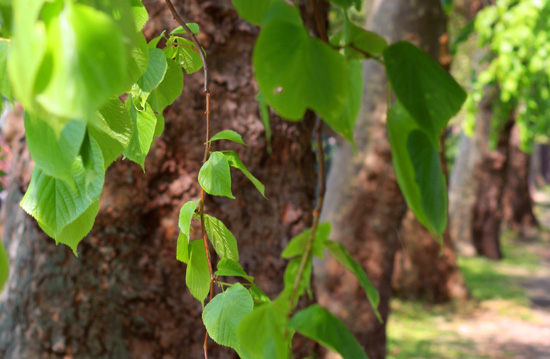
(178, 18)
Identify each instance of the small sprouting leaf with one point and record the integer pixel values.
(4, 266)
(112, 129)
(235, 161)
(229, 268)
(53, 153)
(229, 135)
(341, 254)
(214, 176)
(297, 244)
(197, 276)
(262, 332)
(429, 93)
(184, 224)
(144, 123)
(222, 239)
(194, 27)
(317, 323)
(224, 313)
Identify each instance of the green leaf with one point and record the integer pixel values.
(426, 91)
(317, 323)
(253, 11)
(5, 87)
(112, 128)
(194, 27)
(229, 268)
(137, 61)
(341, 254)
(222, 239)
(214, 176)
(447, 5)
(225, 312)
(291, 272)
(229, 135)
(144, 123)
(51, 153)
(418, 169)
(197, 276)
(154, 74)
(262, 333)
(184, 52)
(348, 3)
(295, 71)
(169, 89)
(140, 14)
(235, 161)
(365, 41)
(4, 266)
(264, 115)
(66, 213)
(87, 67)
(297, 244)
(258, 295)
(184, 224)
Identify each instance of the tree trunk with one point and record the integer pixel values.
(490, 179)
(125, 296)
(517, 201)
(364, 203)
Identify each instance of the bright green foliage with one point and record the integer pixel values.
(224, 313)
(258, 295)
(429, 94)
(235, 161)
(144, 123)
(5, 86)
(222, 239)
(262, 332)
(291, 272)
(140, 14)
(295, 71)
(4, 266)
(184, 52)
(517, 36)
(341, 254)
(169, 89)
(64, 212)
(229, 135)
(138, 61)
(253, 11)
(54, 155)
(214, 176)
(154, 74)
(297, 244)
(186, 215)
(197, 276)
(229, 268)
(418, 170)
(319, 324)
(194, 27)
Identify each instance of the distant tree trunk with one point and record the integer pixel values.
(364, 203)
(125, 296)
(490, 179)
(517, 201)
(424, 269)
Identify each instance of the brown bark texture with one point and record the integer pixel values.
(125, 295)
(364, 203)
(517, 202)
(490, 179)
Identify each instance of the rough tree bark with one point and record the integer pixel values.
(490, 179)
(125, 296)
(364, 203)
(517, 202)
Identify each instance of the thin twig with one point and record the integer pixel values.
(178, 18)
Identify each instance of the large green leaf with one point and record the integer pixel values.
(87, 67)
(144, 124)
(253, 11)
(317, 323)
(262, 332)
(222, 239)
(341, 254)
(112, 128)
(184, 224)
(140, 14)
(235, 161)
(426, 91)
(229, 268)
(214, 176)
(4, 266)
(169, 89)
(66, 213)
(418, 169)
(51, 153)
(197, 276)
(137, 61)
(297, 244)
(224, 313)
(154, 74)
(295, 71)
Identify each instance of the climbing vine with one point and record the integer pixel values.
(93, 53)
